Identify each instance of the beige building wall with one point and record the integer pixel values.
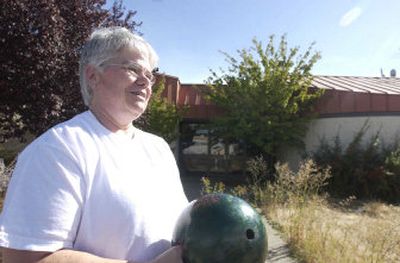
(346, 128)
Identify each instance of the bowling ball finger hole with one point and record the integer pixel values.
(250, 234)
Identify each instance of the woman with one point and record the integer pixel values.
(95, 188)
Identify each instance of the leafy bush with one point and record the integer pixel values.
(365, 169)
(391, 189)
(266, 97)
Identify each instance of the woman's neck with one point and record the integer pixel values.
(111, 123)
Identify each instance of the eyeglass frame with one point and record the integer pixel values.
(134, 69)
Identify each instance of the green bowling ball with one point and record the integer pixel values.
(221, 228)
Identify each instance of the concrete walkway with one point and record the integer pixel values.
(278, 251)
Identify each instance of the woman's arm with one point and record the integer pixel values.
(172, 255)
(60, 256)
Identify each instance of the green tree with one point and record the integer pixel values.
(39, 45)
(266, 97)
(161, 116)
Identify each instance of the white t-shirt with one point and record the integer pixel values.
(83, 187)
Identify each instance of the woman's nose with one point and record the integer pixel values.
(142, 79)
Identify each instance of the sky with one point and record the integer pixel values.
(354, 37)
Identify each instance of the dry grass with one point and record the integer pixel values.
(321, 232)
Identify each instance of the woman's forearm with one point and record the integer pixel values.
(172, 255)
(60, 256)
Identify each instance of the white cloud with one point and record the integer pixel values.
(348, 18)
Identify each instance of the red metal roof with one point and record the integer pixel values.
(359, 84)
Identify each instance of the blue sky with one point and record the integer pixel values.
(354, 37)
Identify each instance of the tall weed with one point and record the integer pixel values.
(300, 186)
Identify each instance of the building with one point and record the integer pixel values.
(347, 104)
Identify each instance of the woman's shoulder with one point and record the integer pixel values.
(73, 132)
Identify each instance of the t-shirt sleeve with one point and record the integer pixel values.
(44, 200)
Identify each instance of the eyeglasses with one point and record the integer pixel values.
(134, 69)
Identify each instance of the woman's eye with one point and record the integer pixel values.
(149, 75)
(133, 70)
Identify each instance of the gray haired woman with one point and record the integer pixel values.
(95, 188)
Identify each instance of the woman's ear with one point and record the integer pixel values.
(92, 76)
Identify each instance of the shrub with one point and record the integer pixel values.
(365, 169)
(390, 190)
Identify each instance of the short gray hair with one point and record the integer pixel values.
(103, 44)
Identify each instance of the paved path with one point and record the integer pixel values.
(278, 251)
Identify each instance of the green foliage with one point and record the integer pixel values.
(266, 97)
(365, 168)
(161, 117)
(391, 188)
(40, 42)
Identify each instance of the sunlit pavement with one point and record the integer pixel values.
(278, 250)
